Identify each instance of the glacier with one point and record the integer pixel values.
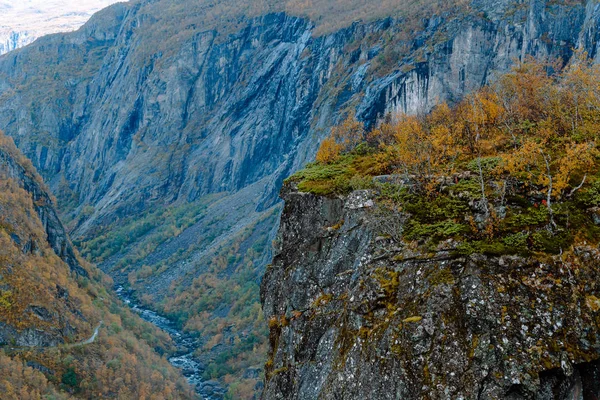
(23, 21)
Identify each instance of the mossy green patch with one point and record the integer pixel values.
(440, 277)
(471, 187)
(526, 218)
(6, 299)
(590, 196)
(435, 231)
(487, 164)
(349, 172)
(433, 219)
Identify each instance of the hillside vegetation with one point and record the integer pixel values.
(328, 15)
(522, 153)
(48, 315)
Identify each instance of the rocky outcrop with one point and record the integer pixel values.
(354, 314)
(30, 337)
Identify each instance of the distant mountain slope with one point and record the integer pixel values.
(61, 332)
(24, 21)
(167, 127)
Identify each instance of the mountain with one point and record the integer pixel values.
(23, 22)
(166, 128)
(62, 334)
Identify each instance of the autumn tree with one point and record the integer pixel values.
(343, 138)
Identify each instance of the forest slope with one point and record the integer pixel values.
(62, 333)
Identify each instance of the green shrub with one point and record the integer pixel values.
(70, 378)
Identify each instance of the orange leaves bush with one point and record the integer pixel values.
(539, 124)
(343, 138)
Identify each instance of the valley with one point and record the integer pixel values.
(186, 344)
(167, 129)
(63, 333)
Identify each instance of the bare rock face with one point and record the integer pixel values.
(355, 315)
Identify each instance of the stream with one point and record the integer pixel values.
(186, 344)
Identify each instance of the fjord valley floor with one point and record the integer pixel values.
(167, 128)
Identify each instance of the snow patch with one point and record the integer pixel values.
(23, 21)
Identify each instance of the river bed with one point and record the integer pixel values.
(186, 344)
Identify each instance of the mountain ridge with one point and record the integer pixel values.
(136, 120)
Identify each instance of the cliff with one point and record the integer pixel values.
(355, 314)
(166, 133)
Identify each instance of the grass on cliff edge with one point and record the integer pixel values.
(513, 168)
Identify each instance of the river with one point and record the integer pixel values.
(186, 344)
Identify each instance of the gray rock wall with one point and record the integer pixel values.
(355, 315)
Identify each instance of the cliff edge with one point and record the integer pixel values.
(355, 314)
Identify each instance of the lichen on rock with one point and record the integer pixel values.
(369, 317)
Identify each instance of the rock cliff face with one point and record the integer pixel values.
(134, 114)
(355, 315)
